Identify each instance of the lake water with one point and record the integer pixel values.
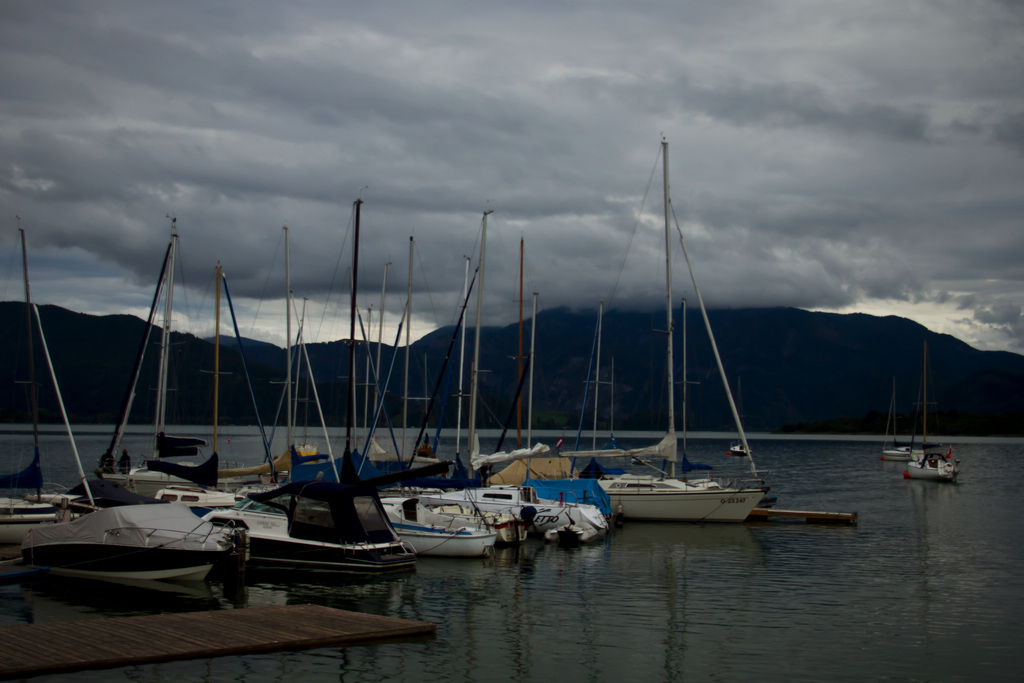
(928, 586)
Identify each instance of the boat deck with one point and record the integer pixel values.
(35, 649)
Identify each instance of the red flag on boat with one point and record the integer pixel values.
(558, 444)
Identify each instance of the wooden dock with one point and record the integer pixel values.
(771, 514)
(35, 649)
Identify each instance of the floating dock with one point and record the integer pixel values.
(35, 649)
(771, 514)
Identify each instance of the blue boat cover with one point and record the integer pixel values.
(29, 478)
(584, 491)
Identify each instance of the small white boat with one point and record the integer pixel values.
(738, 450)
(19, 516)
(130, 542)
(522, 501)
(934, 468)
(437, 534)
(571, 535)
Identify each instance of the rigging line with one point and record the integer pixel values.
(636, 225)
(189, 308)
(266, 285)
(337, 267)
(430, 293)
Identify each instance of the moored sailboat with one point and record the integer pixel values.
(665, 497)
(930, 463)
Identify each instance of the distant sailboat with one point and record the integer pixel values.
(930, 463)
(892, 449)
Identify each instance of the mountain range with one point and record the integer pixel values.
(784, 365)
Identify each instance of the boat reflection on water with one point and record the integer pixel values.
(59, 599)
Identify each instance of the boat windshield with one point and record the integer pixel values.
(250, 505)
(370, 514)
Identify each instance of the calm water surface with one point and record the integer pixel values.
(927, 586)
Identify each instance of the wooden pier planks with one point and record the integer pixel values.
(768, 514)
(35, 649)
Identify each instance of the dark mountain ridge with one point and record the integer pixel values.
(784, 365)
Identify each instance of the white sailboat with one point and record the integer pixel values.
(891, 448)
(434, 533)
(665, 497)
(17, 515)
(143, 479)
(930, 463)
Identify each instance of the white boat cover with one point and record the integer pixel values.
(172, 525)
(664, 450)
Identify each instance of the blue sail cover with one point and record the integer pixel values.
(595, 470)
(29, 478)
(108, 494)
(366, 470)
(204, 474)
(176, 446)
(688, 466)
(583, 491)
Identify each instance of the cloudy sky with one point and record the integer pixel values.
(858, 156)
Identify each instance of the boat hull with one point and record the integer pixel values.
(683, 505)
(356, 558)
(942, 471)
(18, 517)
(91, 560)
(444, 543)
(270, 546)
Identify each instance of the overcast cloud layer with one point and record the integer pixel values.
(831, 156)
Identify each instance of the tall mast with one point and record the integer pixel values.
(165, 338)
(475, 369)
(380, 332)
(408, 346)
(519, 356)
(33, 394)
(597, 371)
(533, 364)
(288, 342)
(462, 353)
(350, 418)
(686, 389)
(924, 375)
(216, 357)
(668, 301)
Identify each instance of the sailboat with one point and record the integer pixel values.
(665, 497)
(739, 449)
(891, 448)
(155, 474)
(930, 463)
(17, 515)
